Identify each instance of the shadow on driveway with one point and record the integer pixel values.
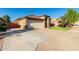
(10, 33)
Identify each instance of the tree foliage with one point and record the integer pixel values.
(63, 20)
(70, 17)
(6, 18)
(3, 27)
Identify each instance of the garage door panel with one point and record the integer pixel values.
(36, 24)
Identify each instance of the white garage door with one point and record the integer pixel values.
(35, 24)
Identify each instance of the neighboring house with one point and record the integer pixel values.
(34, 22)
(55, 21)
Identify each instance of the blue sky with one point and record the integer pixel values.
(15, 13)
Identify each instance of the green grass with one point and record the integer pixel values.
(60, 28)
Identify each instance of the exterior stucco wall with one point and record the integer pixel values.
(23, 23)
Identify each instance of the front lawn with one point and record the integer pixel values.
(60, 28)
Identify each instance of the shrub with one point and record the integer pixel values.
(3, 27)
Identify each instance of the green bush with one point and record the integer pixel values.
(3, 27)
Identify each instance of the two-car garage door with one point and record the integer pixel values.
(35, 24)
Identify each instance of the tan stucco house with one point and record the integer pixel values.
(33, 21)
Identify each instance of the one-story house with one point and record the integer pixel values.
(33, 21)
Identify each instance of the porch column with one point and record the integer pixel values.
(48, 22)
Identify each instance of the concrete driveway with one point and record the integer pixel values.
(42, 40)
(60, 41)
(25, 41)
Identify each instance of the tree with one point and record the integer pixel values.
(3, 27)
(63, 20)
(70, 17)
(6, 18)
(78, 15)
